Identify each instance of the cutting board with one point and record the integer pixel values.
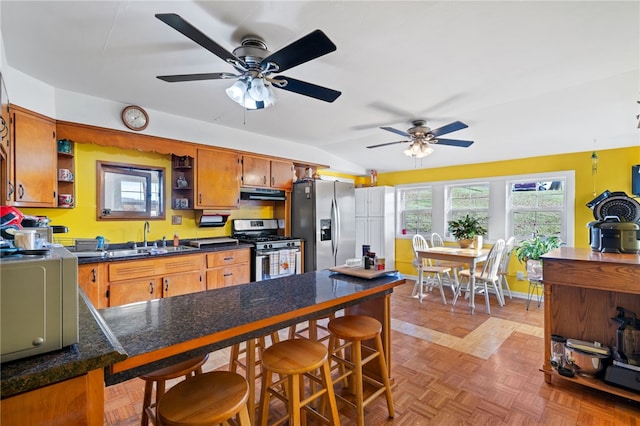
(359, 271)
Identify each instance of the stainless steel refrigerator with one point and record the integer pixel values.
(323, 214)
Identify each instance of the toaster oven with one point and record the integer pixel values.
(38, 303)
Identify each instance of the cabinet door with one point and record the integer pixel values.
(362, 200)
(218, 179)
(362, 235)
(91, 281)
(375, 230)
(123, 292)
(281, 174)
(35, 160)
(376, 202)
(184, 283)
(255, 171)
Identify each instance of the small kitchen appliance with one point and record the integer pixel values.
(617, 225)
(38, 302)
(272, 255)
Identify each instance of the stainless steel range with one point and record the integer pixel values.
(272, 255)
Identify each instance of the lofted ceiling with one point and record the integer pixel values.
(529, 78)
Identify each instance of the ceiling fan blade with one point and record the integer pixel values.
(194, 77)
(452, 127)
(304, 88)
(453, 142)
(396, 131)
(385, 144)
(179, 24)
(311, 46)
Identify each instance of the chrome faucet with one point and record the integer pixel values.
(145, 231)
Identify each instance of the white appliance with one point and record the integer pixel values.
(323, 215)
(273, 255)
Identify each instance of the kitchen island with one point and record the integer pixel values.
(144, 336)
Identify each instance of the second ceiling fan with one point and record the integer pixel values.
(422, 137)
(255, 65)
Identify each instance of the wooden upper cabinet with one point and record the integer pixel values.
(35, 159)
(266, 173)
(217, 182)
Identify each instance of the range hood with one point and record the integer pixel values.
(211, 218)
(262, 194)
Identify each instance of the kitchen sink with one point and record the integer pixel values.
(127, 252)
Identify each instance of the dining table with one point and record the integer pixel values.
(471, 257)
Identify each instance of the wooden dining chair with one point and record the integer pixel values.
(456, 267)
(488, 275)
(504, 267)
(432, 276)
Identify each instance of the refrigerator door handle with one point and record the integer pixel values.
(334, 228)
(337, 228)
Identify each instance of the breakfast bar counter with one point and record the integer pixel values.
(160, 332)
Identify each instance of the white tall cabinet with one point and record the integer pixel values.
(375, 222)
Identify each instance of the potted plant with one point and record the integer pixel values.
(465, 229)
(530, 251)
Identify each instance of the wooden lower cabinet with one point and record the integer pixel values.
(227, 268)
(581, 292)
(76, 401)
(147, 279)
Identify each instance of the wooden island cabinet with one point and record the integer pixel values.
(582, 289)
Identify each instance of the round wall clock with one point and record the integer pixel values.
(135, 118)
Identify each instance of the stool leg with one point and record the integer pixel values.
(385, 375)
(294, 399)
(243, 417)
(328, 384)
(250, 362)
(148, 390)
(265, 397)
(357, 382)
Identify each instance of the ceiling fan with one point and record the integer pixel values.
(422, 137)
(254, 65)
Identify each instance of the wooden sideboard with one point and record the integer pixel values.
(582, 289)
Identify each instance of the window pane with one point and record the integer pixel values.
(470, 199)
(415, 210)
(538, 207)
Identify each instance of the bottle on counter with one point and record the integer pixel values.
(176, 240)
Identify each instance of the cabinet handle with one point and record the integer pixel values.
(264, 180)
(228, 275)
(151, 288)
(273, 181)
(199, 198)
(166, 284)
(20, 191)
(93, 275)
(10, 191)
(228, 258)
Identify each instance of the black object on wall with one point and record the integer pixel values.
(635, 180)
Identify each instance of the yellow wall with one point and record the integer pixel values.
(82, 222)
(614, 173)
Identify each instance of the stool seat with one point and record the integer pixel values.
(355, 327)
(187, 369)
(294, 357)
(294, 360)
(208, 398)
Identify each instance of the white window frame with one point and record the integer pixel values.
(500, 224)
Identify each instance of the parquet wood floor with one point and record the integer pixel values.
(452, 368)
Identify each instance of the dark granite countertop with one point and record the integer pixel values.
(205, 249)
(96, 348)
(185, 326)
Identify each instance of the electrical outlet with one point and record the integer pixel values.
(176, 219)
(520, 276)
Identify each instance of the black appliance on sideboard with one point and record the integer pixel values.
(617, 225)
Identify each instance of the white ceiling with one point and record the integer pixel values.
(529, 77)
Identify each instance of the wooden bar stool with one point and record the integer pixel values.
(294, 360)
(159, 377)
(353, 330)
(253, 350)
(206, 399)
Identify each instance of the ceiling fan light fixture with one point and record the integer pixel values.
(246, 94)
(418, 149)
